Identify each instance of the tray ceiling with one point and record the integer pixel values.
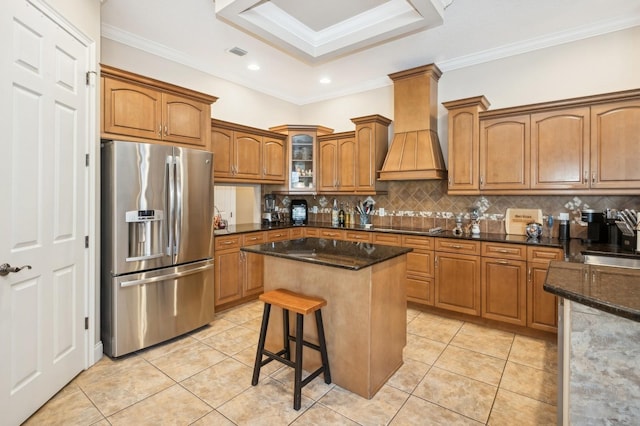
(320, 30)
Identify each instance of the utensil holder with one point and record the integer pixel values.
(364, 219)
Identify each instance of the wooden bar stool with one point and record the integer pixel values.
(301, 305)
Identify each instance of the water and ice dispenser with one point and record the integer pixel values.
(145, 234)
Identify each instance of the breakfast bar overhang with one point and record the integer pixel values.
(365, 319)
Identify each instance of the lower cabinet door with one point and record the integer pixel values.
(504, 296)
(542, 309)
(227, 281)
(253, 273)
(457, 282)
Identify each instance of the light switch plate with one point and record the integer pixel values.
(381, 211)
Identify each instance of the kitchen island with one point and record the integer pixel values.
(365, 318)
(598, 342)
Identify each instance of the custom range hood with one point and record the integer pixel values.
(415, 152)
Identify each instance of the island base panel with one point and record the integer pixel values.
(365, 319)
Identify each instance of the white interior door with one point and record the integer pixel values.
(43, 208)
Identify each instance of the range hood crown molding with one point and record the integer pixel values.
(415, 152)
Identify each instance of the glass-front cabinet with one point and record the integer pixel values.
(303, 155)
(302, 175)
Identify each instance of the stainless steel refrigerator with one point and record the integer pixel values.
(156, 241)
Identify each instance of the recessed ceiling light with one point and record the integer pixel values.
(325, 80)
(254, 67)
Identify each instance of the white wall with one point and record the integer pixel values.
(235, 103)
(84, 15)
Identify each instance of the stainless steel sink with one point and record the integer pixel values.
(617, 261)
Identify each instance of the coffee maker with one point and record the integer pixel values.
(597, 230)
(270, 215)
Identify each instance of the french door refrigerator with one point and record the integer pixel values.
(156, 243)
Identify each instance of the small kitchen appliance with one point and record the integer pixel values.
(270, 215)
(597, 231)
(299, 212)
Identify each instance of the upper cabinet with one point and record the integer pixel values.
(149, 110)
(246, 155)
(349, 161)
(337, 159)
(504, 153)
(372, 142)
(302, 154)
(583, 145)
(560, 149)
(615, 144)
(464, 143)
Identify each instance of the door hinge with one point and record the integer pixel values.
(86, 160)
(86, 241)
(86, 323)
(88, 79)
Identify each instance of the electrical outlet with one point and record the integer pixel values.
(381, 211)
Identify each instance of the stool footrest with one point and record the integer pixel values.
(307, 344)
(276, 357)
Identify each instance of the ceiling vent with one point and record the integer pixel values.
(415, 152)
(237, 51)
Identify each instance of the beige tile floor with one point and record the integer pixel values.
(455, 372)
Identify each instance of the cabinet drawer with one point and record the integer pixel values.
(277, 235)
(358, 236)
(312, 232)
(296, 233)
(334, 234)
(253, 238)
(387, 239)
(417, 242)
(543, 254)
(504, 251)
(457, 246)
(227, 242)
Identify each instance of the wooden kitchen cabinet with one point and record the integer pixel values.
(560, 149)
(574, 146)
(464, 144)
(542, 307)
(301, 168)
(503, 283)
(245, 154)
(334, 234)
(615, 138)
(147, 109)
(337, 162)
(457, 275)
(227, 269)
(252, 265)
(372, 141)
(420, 272)
(505, 153)
(358, 236)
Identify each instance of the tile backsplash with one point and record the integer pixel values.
(426, 204)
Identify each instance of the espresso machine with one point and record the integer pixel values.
(270, 214)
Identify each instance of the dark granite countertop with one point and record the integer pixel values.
(610, 289)
(340, 254)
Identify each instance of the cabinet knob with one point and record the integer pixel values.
(586, 176)
(593, 177)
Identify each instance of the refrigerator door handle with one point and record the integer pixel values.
(165, 277)
(177, 200)
(171, 185)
